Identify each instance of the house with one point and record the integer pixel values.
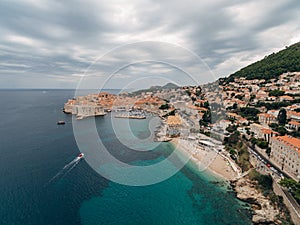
(266, 118)
(174, 124)
(286, 98)
(262, 132)
(285, 151)
(294, 125)
(273, 112)
(233, 115)
(242, 120)
(293, 115)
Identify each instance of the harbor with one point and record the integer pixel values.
(132, 114)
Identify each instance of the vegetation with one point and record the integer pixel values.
(297, 110)
(262, 144)
(287, 60)
(249, 113)
(282, 117)
(243, 159)
(206, 105)
(164, 106)
(231, 128)
(232, 139)
(238, 150)
(293, 186)
(279, 128)
(295, 134)
(265, 183)
(268, 151)
(171, 113)
(273, 105)
(276, 93)
(240, 97)
(206, 119)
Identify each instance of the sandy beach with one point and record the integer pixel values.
(206, 160)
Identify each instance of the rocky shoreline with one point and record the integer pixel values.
(264, 212)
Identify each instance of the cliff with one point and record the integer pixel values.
(264, 211)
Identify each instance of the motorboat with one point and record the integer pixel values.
(81, 155)
(61, 122)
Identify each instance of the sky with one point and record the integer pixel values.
(137, 43)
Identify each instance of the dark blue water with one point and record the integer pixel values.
(33, 149)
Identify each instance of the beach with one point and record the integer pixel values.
(206, 159)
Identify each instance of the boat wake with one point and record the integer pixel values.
(66, 169)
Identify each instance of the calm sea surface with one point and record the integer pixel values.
(34, 149)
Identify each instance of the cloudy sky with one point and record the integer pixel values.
(57, 44)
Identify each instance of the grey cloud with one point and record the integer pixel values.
(57, 40)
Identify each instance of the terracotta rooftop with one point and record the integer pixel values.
(293, 122)
(291, 142)
(267, 115)
(286, 97)
(174, 120)
(294, 113)
(267, 131)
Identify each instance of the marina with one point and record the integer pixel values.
(132, 114)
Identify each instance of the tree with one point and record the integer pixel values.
(249, 113)
(287, 60)
(206, 105)
(233, 138)
(281, 130)
(282, 116)
(164, 106)
(207, 116)
(252, 97)
(231, 128)
(276, 93)
(234, 106)
(240, 97)
(262, 144)
(293, 186)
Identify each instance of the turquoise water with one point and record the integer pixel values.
(188, 197)
(178, 200)
(33, 149)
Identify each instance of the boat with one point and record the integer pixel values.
(61, 122)
(81, 155)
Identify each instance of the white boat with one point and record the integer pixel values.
(81, 155)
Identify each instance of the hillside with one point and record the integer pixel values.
(156, 88)
(287, 60)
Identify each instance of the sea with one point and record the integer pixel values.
(40, 183)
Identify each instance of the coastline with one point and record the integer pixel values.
(218, 166)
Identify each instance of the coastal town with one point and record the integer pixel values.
(149, 112)
(251, 125)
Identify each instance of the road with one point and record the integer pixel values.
(276, 176)
(292, 201)
(266, 161)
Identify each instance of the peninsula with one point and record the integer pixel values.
(251, 124)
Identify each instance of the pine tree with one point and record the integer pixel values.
(282, 116)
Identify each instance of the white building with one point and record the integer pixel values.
(88, 110)
(285, 151)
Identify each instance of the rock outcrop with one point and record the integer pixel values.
(264, 211)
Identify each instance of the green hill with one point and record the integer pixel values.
(287, 60)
